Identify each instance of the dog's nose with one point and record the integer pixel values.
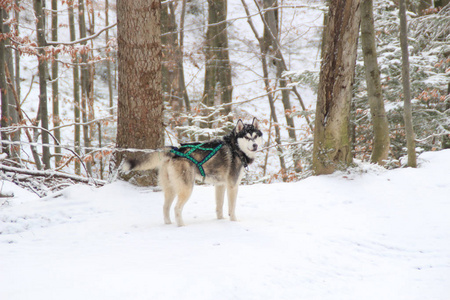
(255, 147)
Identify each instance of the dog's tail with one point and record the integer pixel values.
(149, 161)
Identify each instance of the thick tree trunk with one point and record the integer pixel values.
(42, 69)
(332, 148)
(410, 136)
(76, 90)
(380, 149)
(140, 105)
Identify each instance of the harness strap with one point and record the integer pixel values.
(193, 148)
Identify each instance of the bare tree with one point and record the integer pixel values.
(42, 68)
(9, 64)
(76, 89)
(140, 105)
(272, 39)
(170, 73)
(182, 84)
(55, 80)
(410, 136)
(273, 114)
(331, 131)
(84, 80)
(3, 87)
(218, 68)
(108, 62)
(380, 149)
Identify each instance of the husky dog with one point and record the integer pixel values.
(220, 162)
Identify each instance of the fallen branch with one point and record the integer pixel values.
(50, 174)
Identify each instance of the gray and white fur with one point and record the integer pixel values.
(224, 170)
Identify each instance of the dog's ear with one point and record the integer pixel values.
(239, 126)
(255, 123)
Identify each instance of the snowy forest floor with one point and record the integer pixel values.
(367, 233)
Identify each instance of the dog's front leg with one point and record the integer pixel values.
(232, 195)
(220, 194)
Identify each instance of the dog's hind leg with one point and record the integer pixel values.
(220, 194)
(232, 195)
(169, 196)
(183, 197)
(169, 193)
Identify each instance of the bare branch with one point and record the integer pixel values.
(51, 43)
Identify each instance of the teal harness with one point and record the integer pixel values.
(194, 147)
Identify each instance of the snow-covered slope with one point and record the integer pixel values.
(365, 234)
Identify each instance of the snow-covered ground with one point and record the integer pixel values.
(364, 234)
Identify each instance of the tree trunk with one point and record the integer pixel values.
(84, 82)
(13, 119)
(169, 66)
(410, 137)
(108, 62)
(76, 90)
(17, 54)
(271, 38)
(55, 80)
(380, 149)
(182, 84)
(218, 69)
(332, 148)
(3, 89)
(140, 105)
(42, 68)
(273, 114)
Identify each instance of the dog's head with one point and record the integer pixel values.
(249, 137)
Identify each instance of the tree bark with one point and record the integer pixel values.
(140, 105)
(410, 136)
(42, 69)
(380, 149)
(332, 149)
